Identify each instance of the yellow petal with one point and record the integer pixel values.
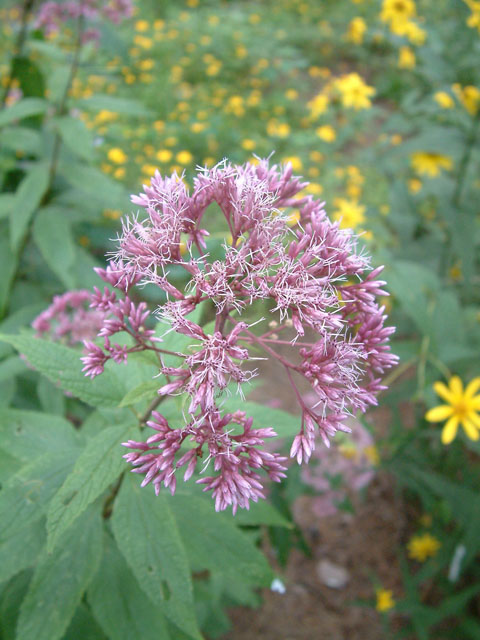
(472, 388)
(456, 386)
(437, 414)
(470, 429)
(450, 430)
(474, 417)
(443, 391)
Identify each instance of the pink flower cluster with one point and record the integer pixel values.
(52, 14)
(311, 279)
(69, 319)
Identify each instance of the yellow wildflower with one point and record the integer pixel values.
(414, 185)
(293, 218)
(469, 96)
(117, 156)
(278, 129)
(291, 94)
(295, 162)
(326, 133)
(184, 157)
(356, 30)
(423, 546)
(141, 25)
(473, 19)
(427, 163)
(318, 105)
(385, 600)
(164, 155)
(349, 212)
(414, 33)
(462, 408)
(397, 10)
(444, 100)
(143, 41)
(406, 58)
(112, 214)
(119, 173)
(248, 145)
(354, 91)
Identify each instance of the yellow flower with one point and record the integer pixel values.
(414, 185)
(444, 100)
(164, 155)
(385, 600)
(112, 214)
(318, 105)
(184, 157)
(248, 145)
(473, 19)
(414, 33)
(406, 58)
(462, 407)
(348, 212)
(356, 30)
(293, 218)
(143, 41)
(427, 163)
(326, 133)
(397, 10)
(354, 91)
(291, 94)
(469, 96)
(422, 547)
(117, 156)
(295, 162)
(278, 129)
(141, 25)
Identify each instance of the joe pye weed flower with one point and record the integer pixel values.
(321, 293)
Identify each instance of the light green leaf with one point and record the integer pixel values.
(76, 136)
(123, 106)
(119, 604)
(60, 580)
(27, 199)
(63, 367)
(96, 468)
(10, 367)
(51, 397)
(103, 189)
(148, 537)
(53, 236)
(21, 139)
(23, 109)
(21, 550)
(143, 391)
(284, 424)
(28, 434)
(25, 499)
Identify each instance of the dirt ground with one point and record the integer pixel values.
(364, 544)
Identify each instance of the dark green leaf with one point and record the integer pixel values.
(8, 267)
(76, 136)
(27, 200)
(23, 109)
(29, 77)
(53, 235)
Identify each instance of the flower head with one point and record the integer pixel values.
(354, 92)
(428, 163)
(280, 249)
(462, 408)
(385, 600)
(423, 546)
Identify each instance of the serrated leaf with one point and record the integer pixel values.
(28, 434)
(25, 499)
(120, 605)
(23, 109)
(216, 543)
(96, 468)
(76, 136)
(63, 367)
(142, 391)
(148, 537)
(60, 580)
(53, 236)
(27, 200)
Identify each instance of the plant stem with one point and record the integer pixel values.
(18, 48)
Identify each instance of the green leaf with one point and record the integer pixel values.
(76, 137)
(283, 423)
(105, 190)
(21, 139)
(120, 605)
(10, 603)
(25, 499)
(28, 434)
(143, 391)
(21, 550)
(63, 367)
(83, 626)
(27, 200)
(216, 543)
(53, 236)
(10, 367)
(98, 466)
(23, 109)
(148, 537)
(60, 580)
(123, 106)
(51, 397)
(8, 267)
